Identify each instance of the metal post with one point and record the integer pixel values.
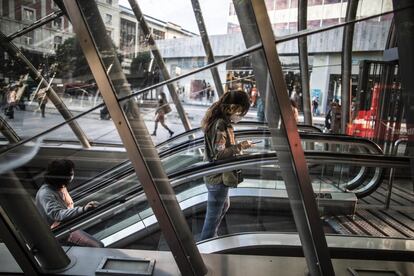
(8, 131)
(40, 247)
(42, 21)
(251, 38)
(141, 152)
(303, 61)
(13, 51)
(404, 20)
(157, 55)
(15, 247)
(346, 64)
(207, 46)
(286, 140)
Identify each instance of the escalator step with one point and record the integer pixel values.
(350, 225)
(404, 193)
(369, 228)
(337, 227)
(398, 226)
(380, 224)
(396, 198)
(401, 218)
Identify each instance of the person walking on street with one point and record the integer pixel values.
(11, 101)
(162, 109)
(220, 144)
(294, 106)
(315, 104)
(42, 100)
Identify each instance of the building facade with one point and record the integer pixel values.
(119, 21)
(324, 48)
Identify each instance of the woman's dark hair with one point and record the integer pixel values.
(59, 173)
(163, 99)
(230, 103)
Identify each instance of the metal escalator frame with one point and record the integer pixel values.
(386, 249)
(183, 177)
(176, 137)
(342, 139)
(204, 169)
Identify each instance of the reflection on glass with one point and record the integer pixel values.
(103, 172)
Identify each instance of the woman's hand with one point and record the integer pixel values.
(245, 144)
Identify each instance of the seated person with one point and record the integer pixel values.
(55, 204)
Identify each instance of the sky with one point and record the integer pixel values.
(180, 12)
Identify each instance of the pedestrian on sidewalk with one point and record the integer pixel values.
(294, 106)
(11, 101)
(163, 108)
(42, 100)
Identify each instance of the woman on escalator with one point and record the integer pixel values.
(56, 205)
(220, 144)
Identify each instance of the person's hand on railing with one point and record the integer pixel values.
(245, 144)
(90, 205)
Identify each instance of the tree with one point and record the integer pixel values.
(72, 62)
(140, 64)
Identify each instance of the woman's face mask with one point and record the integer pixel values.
(235, 118)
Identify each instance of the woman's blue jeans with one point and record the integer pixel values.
(218, 203)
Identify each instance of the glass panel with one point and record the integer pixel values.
(123, 217)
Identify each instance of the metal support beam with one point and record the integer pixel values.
(40, 248)
(303, 61)
(404, 22)
(157, 55)
(286, 140)
(16, 248)
(8, 131)
(140, 150)
(207, 46)
(346, 64)
(42, 21)
(251, 38)
(14, 52)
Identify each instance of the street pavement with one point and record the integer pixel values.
(29, 122)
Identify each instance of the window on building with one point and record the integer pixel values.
(313, 24)
(329, 21)
(158, 35)
(232, 11)
(294, 4)
(109, 2)
(108, 19)
(314, 2)
(28, 14)
(332, 1)
(54, 6)
(58, 23)
(128, 38)
(57, 40)
(109, 33)
(282, 4)
(28, 39)
(280, 26)
(270, 4)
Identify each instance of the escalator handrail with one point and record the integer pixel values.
(340, 246)
(336, 139)
(301, 127)
(204, 168)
